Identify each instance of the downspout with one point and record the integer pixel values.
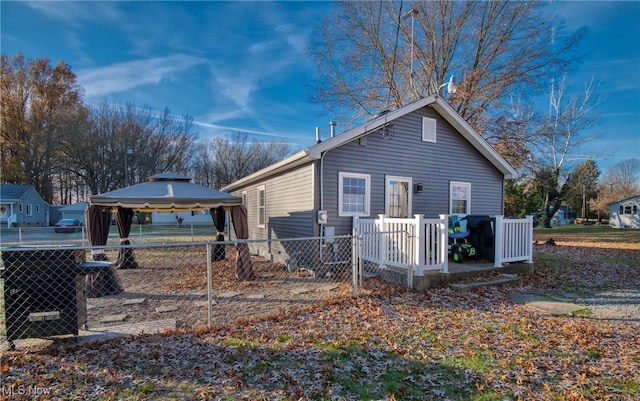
(334, 261)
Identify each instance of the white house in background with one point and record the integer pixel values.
(188, 217)
(563, 217)
(624, 213)
(75, 211)
(22, 205)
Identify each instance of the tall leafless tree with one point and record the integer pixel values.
(123, 145)
(557, 135)
(222, 160)
(494, 48)
(619, 181)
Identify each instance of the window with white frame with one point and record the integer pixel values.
(28, 209)
(459, 197)
(353, 194)
(262, 207)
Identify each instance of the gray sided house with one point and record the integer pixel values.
(422, 158)
(22, 205)
(624, 213)
(75, 211)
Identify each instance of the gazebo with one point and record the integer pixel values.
(166, 192)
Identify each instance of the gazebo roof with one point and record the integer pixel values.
(166, 192)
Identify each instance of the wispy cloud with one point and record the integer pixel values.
(77, 13)
(238, 129)
(125, 76)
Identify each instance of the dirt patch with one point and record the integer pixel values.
(176, 288)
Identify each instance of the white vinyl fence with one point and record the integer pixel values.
(420, 245)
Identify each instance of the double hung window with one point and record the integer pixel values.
(459, 198)
(354, 191)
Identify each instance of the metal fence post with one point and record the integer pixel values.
(209, 286)
(354, 262)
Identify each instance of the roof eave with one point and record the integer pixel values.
(294, 160)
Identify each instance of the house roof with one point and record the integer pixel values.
(436, 102)
(76, 207)
(13, 192)
(625, 199)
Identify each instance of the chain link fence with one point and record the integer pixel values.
(140, 233)
(48, 291)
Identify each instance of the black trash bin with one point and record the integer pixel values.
(482, 235)
(42, 292)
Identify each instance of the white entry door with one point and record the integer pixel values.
(398, 196)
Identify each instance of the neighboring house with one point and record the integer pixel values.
(420, 159)
(624, 213)
(75, 211)
(22, 205)
(188, 217)
(563, 216)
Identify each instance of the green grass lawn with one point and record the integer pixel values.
(587, 233)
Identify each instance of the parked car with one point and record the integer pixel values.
(68, 226)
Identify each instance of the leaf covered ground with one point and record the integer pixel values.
(390, 343)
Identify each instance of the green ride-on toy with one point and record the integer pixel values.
(459, 245)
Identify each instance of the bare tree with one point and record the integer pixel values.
(39, 105)
(619, 181)
(123, 145)
(557, 135)
(624, 176)
(223, 160)
(367, 52)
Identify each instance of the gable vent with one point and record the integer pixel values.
(428, 129)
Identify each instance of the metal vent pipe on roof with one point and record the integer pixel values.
(317, 134)
(332, 124)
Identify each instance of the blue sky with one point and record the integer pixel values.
(242, 65)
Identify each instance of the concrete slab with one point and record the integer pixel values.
(125, 330)
(204, 304)
(167, 308)
(229, 294)
(300, 290)
(255, 296)
(135, 301)
(500, 280)
(555, 307)
(114, 318)
(327, 288)
(526, 298)
(546, 303)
